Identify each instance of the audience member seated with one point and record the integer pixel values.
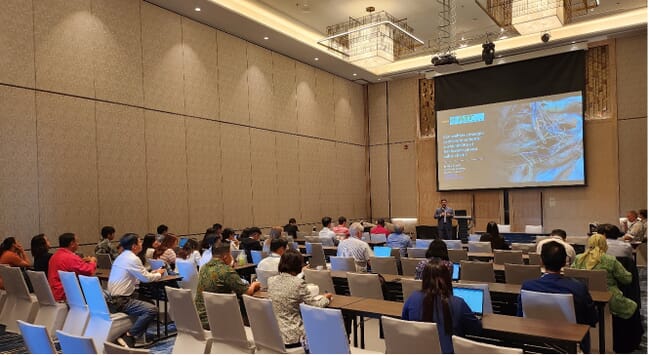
(271, 262)
(352, 246)
(40, 248)
(287, 291)
(435, 303)
(12, 254)
(218, 228)
(127, 272)
(615, 247)
(65, 259)
(217, 276)
(149, 245)
(437, 251)
(633, 227)
(250, 241)
(228, 235)
(291, 228)
(399, 239)
(559, 235)
(166, 251)
(492, 235)
(341, 228)
(643, 217)
(161, 230)
(209, 240)
(190, 251)
(380, 228)
(327, 232)
(104, 245)
(595, 258)
(274, 233)
(554, 258)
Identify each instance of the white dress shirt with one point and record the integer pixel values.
(269, 263)
(570, 251)
(127, 271)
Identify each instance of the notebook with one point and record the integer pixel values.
(182, 241)
(473, 298)
(455, 274)
(382, 251)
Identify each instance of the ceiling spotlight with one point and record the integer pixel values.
(354, 74)
(266, 37)
(316, 58)
(197, 9)
(488, 53)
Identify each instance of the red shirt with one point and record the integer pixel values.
(380, 230)
(66, 260)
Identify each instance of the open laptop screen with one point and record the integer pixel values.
(182, 241)
(473, 298)
(382, 251)
(455, 274)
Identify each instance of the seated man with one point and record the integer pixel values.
(341, 228)
(65, 259)
(217, 276)
(380, 228)
(327, 232)
(352, 246)
(126, 273)
(104, 245)
(250, 241)
(559, 235)
(399, 239)
(271, 262)
(634, 228)
(554, 258)
(291, 228)
(615, 247)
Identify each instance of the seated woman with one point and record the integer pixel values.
(437, 249)
(435, 303)
(595, 258)
(228, 235)
(190, 251)
(40, 247)
(165, 251)
(12, 254)
(286, 292)
(149, 245)
(492, 235)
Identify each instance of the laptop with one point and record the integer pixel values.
(473, 298)
(182, 241)
(382, 251)
(455, 274)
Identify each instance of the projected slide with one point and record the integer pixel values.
(522, 143)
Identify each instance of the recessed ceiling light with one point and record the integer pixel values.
(503, 37)
(354, 74)
(316, 58)
(266, 37)
(197, 9)
(502, 29)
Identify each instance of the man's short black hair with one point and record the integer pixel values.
(254, 230)
(381, 222)
(66, 239)
(326, 220)
(162, 229)
(128, 240)
(553, 256)
(220, 248)
(107, 230)
(292, 221)
(559, 232)
(342, 220)
(217, 226)
(276, 244)
(610, 231)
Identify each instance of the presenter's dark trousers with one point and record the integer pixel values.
(444, 231)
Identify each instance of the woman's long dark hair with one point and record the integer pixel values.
(208, 239)
(436, 286)
(39, 246)
(6, 244)
(493, 229)
(147, 243)
(186, 251)
(169, 241)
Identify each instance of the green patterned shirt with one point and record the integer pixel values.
(216, 277)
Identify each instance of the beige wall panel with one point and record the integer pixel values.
(284, 103)
(18, 166)
(260, 86)
(166, 171)
(525, 209)
(288, 203)
(342, 186)
(204, 173)
(121, 168)
(308, 123)
(309, 167)
(359, 170)
(236, 173)
(325, 104)
(17, 42)
(359, 123)
(327, 175)
(200, 69)
(428, 197)
(65, 35)
(402, 109)
(343, 116)
(118, 51)
(377, 113)
(67, 166)
(264, 178)
(461, 200)
(633, 163)
(572, 209)
(162, 50)
(631, 76)
(233, 79)
(379, 181)
(488, 206)
(403, 196)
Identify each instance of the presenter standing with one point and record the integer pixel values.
(444, 214)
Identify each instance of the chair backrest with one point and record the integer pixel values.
(378, 238)
(518, 273)
(467, 346)
(37, 339)
(384, 265)
(533, 229)
(548, 306)
(41, 287)
(522, 246)
(503, 228)
(156, 264)
(104, 261)
(453, 244)
(14, 282)
(257, 256)
(73, 344)
(416, 252)
(325, 330)
(479, 246)
(365, 237)
(187, 270)
(477, 271)
(342, 264)
(410, 285)
(317, 256)
(325, 241)
(487, 300)
(422, 243)
(474, 237)
(264, 325)
(410, 337)
(77, 318)
(409, 265)
(597, 279)
(365, 285)
(457, 255)
(111, 348)
(263, 276)
(229, 337)
(308, 247)
(322, 278)
(181, 305)
(501, 257)
(541, 238)
(92, 290)
(534, 259)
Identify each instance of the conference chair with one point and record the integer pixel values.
(453, 244)
(75, 344)
(19, 303)
(264, 325)
(474, 237)
(487, 300)
(342, 264)
(410, 285)
(548, 306)
(534, 259)
(187, 270)
(365, 237)
(477, 271)
(36, 338)
(504, 256)
(642, 255)
(365, 285)
(467, 346)
(317, 256)
(595, 280)
(503, 228)
(532, 229)
(378, 238)
(104, 261)
(523, 247)
(322, 278)
(518, 273)
(78, 313)
(308, 245)
(409, 265)
(50, 313)
(231, 337)
(111, 348)
(479, 246)
(325, 241)
(422, 243)
(458, 255)
(191, 338)
(384, 265)
(416, 252)
(410, 337)
(263, 277)
(325, 331)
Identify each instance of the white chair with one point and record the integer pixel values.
(323, 279)
(102, 325)
(457, 255)
(156, 264)
(74, 344)
(477, 271)
(410, 337)
(487, 300)
(308, 245)
(548, 306)
(111, 348)
(191, 338)
(257, 256)
(104, 261)
(377, 238)
(365, 285)
(37, 339)
(78, 314)
(342, 264)
(264, 325)
(479, 246)
(518, 273)
(19, 303)
(532, 229)
(187, 270)
(422, 243)
(325, 331)
(453, 244)
(503, 228)
(231, 337)
(410, 285)
(263, 277)
(416, 252)
(524, 247)
(409, 265)
(384, 265)
(504, 256)
(466, 346)
(317, 256)
(50, 313)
